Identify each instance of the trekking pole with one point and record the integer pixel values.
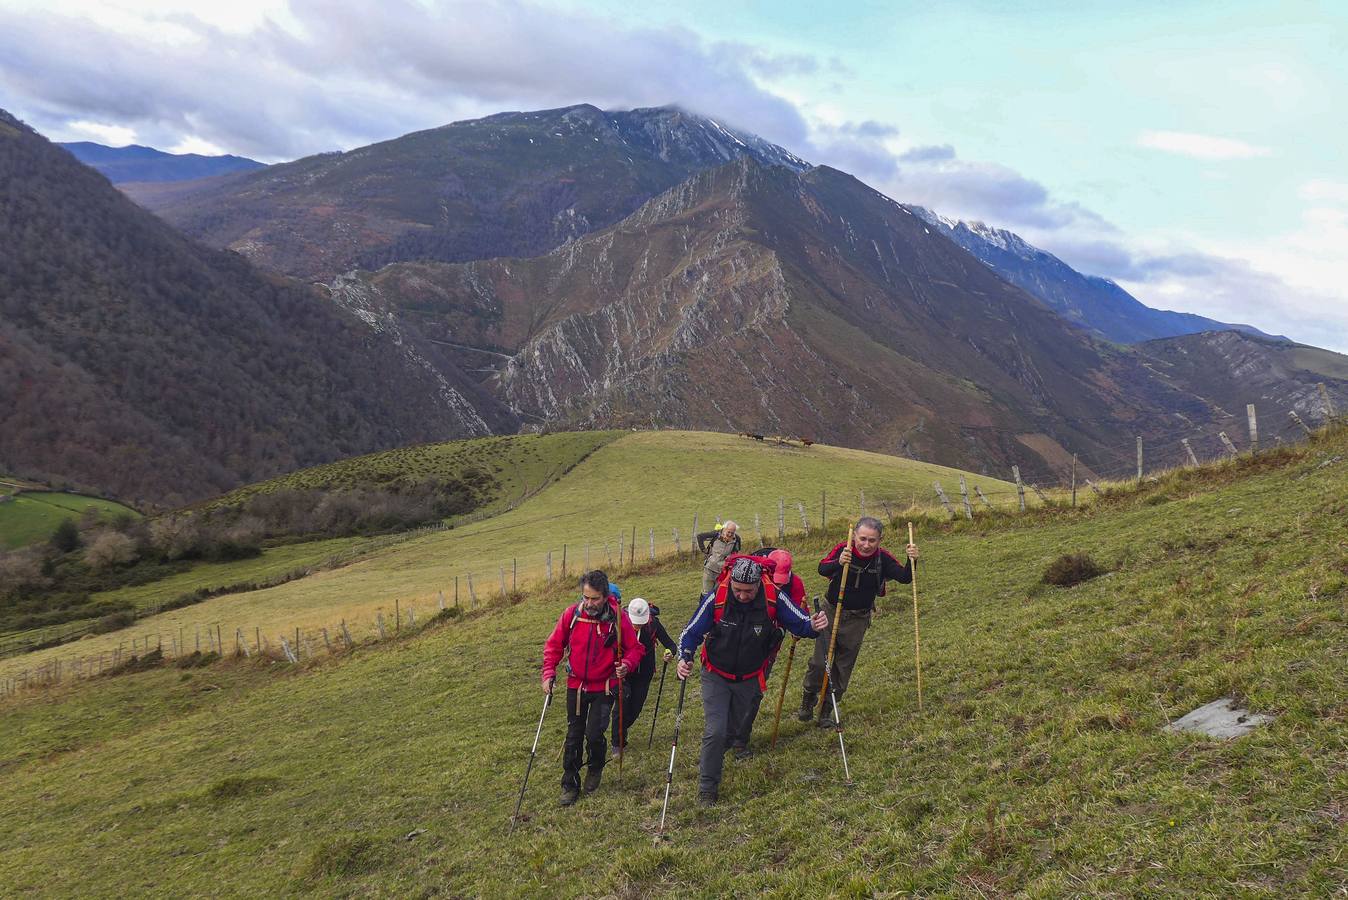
(622, 738)
(837, 725)
(658, 694)
(837, 617)
(673, 749)
(514, 819)
(777, 719)
(917, 636)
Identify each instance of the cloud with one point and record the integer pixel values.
(928, 153)
(1324, 191)
(1200, 146)
(339, 75)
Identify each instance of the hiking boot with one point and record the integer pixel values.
(807, 708)
(613, 754)
(827, 722)
(592, 780)
(743, 753)
(706, 798)
(569, 796)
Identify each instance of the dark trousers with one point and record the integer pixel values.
(738, 735)
(634, 698)
(723, 702)
(851, 631)
(587, 721)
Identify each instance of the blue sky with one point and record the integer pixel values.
(1189, 150)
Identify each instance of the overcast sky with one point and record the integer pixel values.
(1192, 151)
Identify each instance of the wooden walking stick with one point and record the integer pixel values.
(777, 719)
(837, 617)
(917, 634)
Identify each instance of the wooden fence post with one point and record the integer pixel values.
(633, 550)
(804, 520)
(1139, 458)
(1304, 427)
(692, 537)
(411, 617)
(397, 618)
(678, 546)
(1020, 486)
(472, 594)
(622, 548)
(563, 562)
(379, 621)
(981, 496)
(944, 502)
(346, 636)
(964, 495)
(290, 654)
(781, 519)
(652, 544)
(456, 592)
(823, 511)
(862, 494)
(470, 579)
(514, 573)
(442, 601)
(1074, 479)
(1230, 447)
(1188, 448)
(1254, 427)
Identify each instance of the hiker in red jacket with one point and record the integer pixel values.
(869, 566)
(590, 633)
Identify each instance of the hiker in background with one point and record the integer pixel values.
(589, 633)
(645, 618)
(717, 546)
(739, 621)
(788, 585)
(869, 567)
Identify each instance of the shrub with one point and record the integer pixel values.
(109, 549)
(66, 537)
(112, 622)
(1072, 568)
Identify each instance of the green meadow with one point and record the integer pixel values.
(32, 516)
(1037, 764)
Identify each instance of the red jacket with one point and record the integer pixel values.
(590, 663)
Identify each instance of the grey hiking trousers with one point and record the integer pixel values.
(723, 702)
(851, 631)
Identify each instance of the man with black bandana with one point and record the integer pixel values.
(739, 620)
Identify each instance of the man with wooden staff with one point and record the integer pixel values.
(868, 567)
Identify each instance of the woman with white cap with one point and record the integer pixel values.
(645, 618)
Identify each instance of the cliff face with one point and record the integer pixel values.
(757, 298)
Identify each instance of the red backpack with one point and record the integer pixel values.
(718, 611)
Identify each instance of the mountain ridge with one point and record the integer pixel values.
(1092, 302)
(138, 163)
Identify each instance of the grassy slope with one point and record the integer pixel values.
(645, 479)
(1037, 765)
(519, 463)
(33, 516)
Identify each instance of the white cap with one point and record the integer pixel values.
(639, 611)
